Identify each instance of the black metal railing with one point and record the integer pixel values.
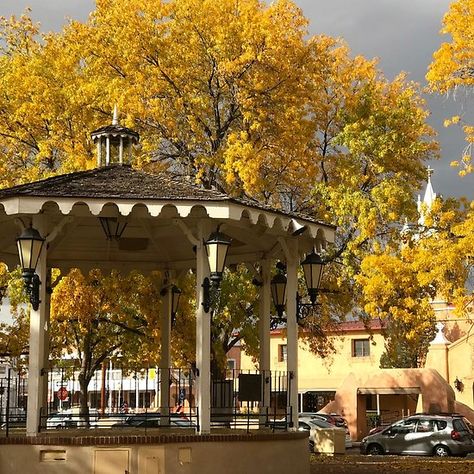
(118, 400)
(13, 398)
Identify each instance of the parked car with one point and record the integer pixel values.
(14, 421)
(153, 420)
(71, 419)
(307, 424)
(428, 435)
(333, 418)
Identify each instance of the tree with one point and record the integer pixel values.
(96, 318)
(14, 335)
(397, 284)
(234, 94)
(392, 292)
(453, 67)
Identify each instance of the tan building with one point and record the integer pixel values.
(351, 382)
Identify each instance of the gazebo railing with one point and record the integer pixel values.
(118, 399)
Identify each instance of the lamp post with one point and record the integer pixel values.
(30, 244)
(313, 269)
(217, 246)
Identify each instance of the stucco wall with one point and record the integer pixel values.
(280, 455)
(435, 393)
(315, 372)
(461, 363)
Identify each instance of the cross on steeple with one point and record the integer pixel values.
(429, 171)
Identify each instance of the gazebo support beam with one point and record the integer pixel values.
(264, 333)
(203, 337)
(291, 252)
(38, 349)
(165, 359)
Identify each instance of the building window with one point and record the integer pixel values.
(360, 348)
(282, 353)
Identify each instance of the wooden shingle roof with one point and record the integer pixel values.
(122, 182)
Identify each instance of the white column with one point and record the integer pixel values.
(109, 374)
(107, 151)
(99, 152)
(47, 337)
(203, 339)
(137, 391)
(292, 329)
(121, 151)
(165, 359)
(37, 345)
(264, 332)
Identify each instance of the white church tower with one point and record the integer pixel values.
(425, 206)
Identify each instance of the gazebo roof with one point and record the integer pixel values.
(161, 210)
(124, 182)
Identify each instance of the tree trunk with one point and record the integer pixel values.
(84, 380)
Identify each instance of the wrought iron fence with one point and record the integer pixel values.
(13, 400)
(119, 399)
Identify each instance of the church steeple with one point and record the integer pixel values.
(428, 199)
(114, 143)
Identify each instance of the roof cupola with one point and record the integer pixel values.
(114, 143)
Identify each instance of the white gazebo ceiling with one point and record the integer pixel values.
(161, 212)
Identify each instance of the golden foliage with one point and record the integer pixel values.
(97, 317)
(233, 93)
(453, 67)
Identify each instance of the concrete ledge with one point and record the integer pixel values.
(95, 440)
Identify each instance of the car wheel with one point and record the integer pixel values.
(374, 450)
(59, 427)
(311, 446)
(441, 451)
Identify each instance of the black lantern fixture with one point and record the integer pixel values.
(278, 289)
(30, 244)
(175, 296)
(217, 246)
(458, 385)
(313, 271)
(113, 227)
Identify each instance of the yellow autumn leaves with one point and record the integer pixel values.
(452, 70)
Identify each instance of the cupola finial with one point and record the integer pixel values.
(115, 115)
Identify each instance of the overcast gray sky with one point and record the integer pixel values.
(403, 34)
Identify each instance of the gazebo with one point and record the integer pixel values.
(163, 223)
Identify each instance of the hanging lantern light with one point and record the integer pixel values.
(313, 271)
(30, 244)
(217, 246)
(175, 296)
(278, 289)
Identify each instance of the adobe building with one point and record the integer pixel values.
(350, 381)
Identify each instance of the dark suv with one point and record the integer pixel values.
(428, 435)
